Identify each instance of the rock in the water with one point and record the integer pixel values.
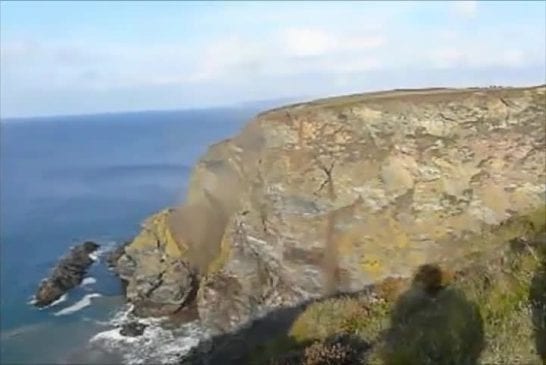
(132, 329)
(333, 195)
(67, 274)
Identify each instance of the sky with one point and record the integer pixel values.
(91, 57)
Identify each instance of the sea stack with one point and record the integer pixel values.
(67, 274)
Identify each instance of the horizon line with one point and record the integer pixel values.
(236, 105)
(287, 100)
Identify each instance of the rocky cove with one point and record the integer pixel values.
(305, 238)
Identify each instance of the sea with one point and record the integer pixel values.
(64, 180)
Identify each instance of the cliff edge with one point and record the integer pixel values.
(331, 196)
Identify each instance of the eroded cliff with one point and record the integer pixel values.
(330, 196)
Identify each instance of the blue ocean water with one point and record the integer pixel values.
(68, 179)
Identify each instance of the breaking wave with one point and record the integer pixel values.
(156, 345)
(88, 281)
(79, 305)
(63, 298)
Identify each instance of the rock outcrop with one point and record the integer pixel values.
(112, 256)
(67, 274)
(333, 195)
(159, 280)
(132, 329)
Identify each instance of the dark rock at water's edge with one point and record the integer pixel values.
(67, 274)
(166, 283)
(114, 255)
(164, 292)
(132, 329)
(112, 258)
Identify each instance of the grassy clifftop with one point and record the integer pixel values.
(491, 312)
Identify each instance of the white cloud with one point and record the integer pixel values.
(446, 57)
(228, 56)
(94, 66)
(361, 43)
(303, 42)
(466, 8)
(297, 55)
(307, 42)
(476, 56)
(359, 63)
(286, 52)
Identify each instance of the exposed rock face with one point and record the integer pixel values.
(159, 280)
(114, 255)
(333, 195)
(132, 329)
(68, 274)
(436, 317)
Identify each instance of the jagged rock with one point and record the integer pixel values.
(67, 274)
(333, 195)
(114, 255)
(132, 329)
(125, 267)
(162, 290)
(159, 280)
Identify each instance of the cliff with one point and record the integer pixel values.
(331, 196)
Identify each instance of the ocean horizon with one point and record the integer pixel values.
(96, 177)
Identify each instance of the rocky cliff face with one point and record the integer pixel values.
(333, 195)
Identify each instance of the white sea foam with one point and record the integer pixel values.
(88, 281)
(156, 345)
(82, 303)
(103, 248)
(123, 315)
(63, 298)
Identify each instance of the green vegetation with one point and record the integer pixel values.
(482, 313)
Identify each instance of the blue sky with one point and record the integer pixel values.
(87, 57)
